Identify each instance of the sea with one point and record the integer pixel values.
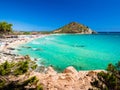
(83, 52)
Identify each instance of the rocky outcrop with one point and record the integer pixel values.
(51, 71)
(70, 79)
(75, 27)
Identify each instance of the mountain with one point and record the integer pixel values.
(74, 27)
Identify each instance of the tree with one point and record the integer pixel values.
(17, 68)
(18, 85)
(8, 69)
(5, 27)
(22, 67)
(5, 68)
(109, 80)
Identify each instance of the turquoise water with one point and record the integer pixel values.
(84, 52)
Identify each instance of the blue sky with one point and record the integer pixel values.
(30, 15)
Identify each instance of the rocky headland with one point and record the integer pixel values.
(75, 27)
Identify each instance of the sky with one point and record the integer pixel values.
(47, 15)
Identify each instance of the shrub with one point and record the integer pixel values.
(109, 80)
(39, 87)
(30, 81)
(16, 85)
(22, 67)
(5, 68)
(2, 82)
(17, 68)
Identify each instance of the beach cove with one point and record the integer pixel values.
(49, 78)
(60, 45)
(83, 52)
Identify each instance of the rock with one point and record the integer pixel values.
(72, 73)
(91, 73)
(51, 71)
(71, 70)
(11, 48)
(41, 69)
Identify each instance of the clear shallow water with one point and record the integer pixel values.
(84, 52)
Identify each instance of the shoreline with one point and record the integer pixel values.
(22, 39)
(8, 45)
(12, 43)
(69, 79)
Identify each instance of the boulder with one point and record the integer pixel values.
(51, 71)
(71, 70)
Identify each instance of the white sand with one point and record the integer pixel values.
(14, 42)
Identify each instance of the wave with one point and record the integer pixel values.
(47, 38)
(35, 42)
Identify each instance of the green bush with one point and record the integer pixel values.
(22, 67)
(16, 85)
(39, 87)
(5, 68)
(26, 33)
(17, 68)
(109, 80)
(2, 82)
(30, 81)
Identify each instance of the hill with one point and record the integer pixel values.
(74, 27)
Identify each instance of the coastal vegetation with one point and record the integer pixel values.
(109, 80)
(18, 68)
(5, 27)
(15, 69)
(73, 27)
(106, 80)
(17, 85)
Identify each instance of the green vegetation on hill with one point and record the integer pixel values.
(109, 80)
(74, 27)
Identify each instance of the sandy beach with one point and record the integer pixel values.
(7, 46)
